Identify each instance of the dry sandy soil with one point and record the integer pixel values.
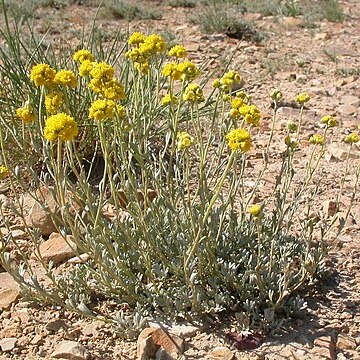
(325, 62)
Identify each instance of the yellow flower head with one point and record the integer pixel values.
(171, 70)
(251, 114)
(120, 111)
(188, 70)
(255, 210)
(25, 114)
(290, 143)
(42, 75)
(228, 79)
(352, 138)
(113, 90)
(302, 98)
(66, 77)
(144, 67)
(136, 38)
(60, 126)
(239, 139)
(154, 42)
(291, 126)
(234, 113)
(102, 109)
(136, 55)
(328, 120)
(83, 55)
(184, 140)
(193, 93)
(216, 84)
(276, 95)
(53, 101)
(237, 103)
(4, 172)
(102, 71)
(169, 99)
(85, 67)
(178, 51)
(317, 139)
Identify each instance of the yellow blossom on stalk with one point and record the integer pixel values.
(317, 139)
(328, 120)
(184, 140)
(102, 71)
(113, 90)
(291, 126)
(169, 99)
(188, 70)
(85, 67)
(276, 95)
(120, 111)
(83, 55)
(102, 109)
(171, 70)
(302, 98)
(251, 114)
(237, 103)
(244, 96)
(25, 114)
(216, 83)
(255, 210)
(193, 93)
(152, 44)
(136, 38)
(234, 113)
(96, 85)
(226, 97)
(144, 68)
(352, 138)
(290, 143)
(228, 79)
(53, 101)
(136, 55)
(66, 77)
(60, 126)
(239, 139)
(42, 75)
(4, 172)
(179, 51)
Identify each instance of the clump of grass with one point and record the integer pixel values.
(125, 10)
(348, 71)
(182, 3)
(220, 18)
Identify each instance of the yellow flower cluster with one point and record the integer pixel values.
(302, 98)
(290, 143)
(4, 172)
(83, 55)
(317, 139)
(193, 93)
(239, 139)
(255, 210)
(185, 70)
(169, 99)
(85, 67)
(291, 126)
(226, 82)
(328, 120)
(104, 83)
(60, 126)
(352, 138)
(178, 51)
(25, 114)
(144, 47)
(184, 140)
(66, 78)
(102, 109)
(276, 95)
(42, 75)
(250, 113)
(53, 101)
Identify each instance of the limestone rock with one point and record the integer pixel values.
(71, 350)
(324, 346)
(184, 331)
(8, 344)
(40, 214)
(56, 249)
(345, 343)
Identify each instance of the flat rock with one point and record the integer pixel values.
(71, 350)
(8, 344)
(345, 343)
(57, 249)
(347, 109)
(184, 331)
(221, 353)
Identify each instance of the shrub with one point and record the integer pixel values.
(170, 228)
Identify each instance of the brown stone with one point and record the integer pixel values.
(9, 291)
(71, 350)
(345, 343)
(325, 346)
(57, 249)
(8, 344)
(292, 21)
(221, 353)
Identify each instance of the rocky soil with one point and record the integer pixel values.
(325, 62)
